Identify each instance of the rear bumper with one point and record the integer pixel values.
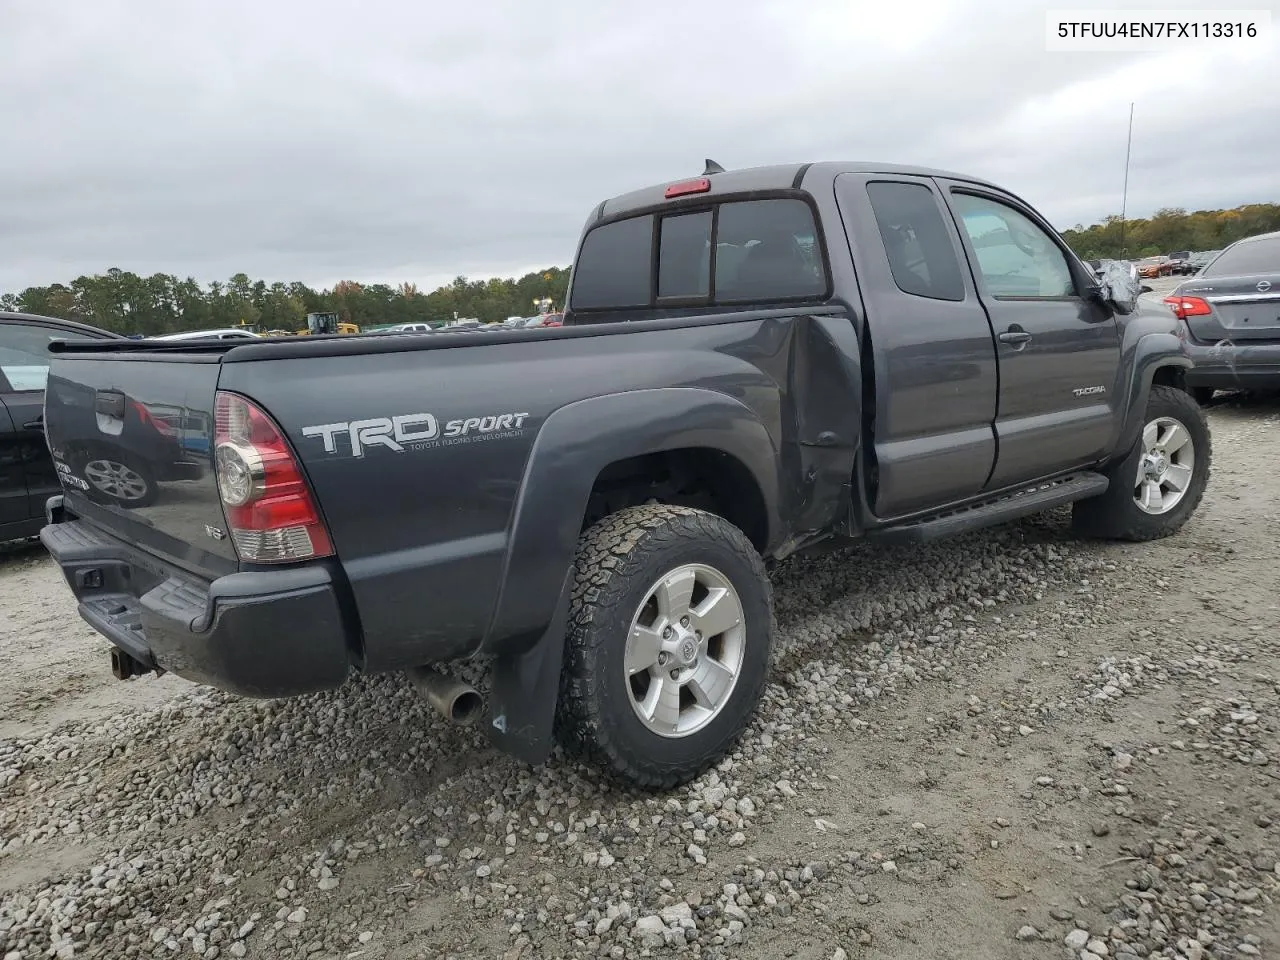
(1234, 367)
(277, 633)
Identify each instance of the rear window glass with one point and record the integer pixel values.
(684, 256)
(764, 250)
(613, 268)
(767, 250)
(1246, 258)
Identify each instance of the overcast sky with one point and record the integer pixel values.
(384, 140)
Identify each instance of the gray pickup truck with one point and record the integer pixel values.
(753, 363)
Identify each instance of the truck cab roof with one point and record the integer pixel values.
(780, 176)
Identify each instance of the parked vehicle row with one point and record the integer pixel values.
(458, 326)
(228, 333)
(1178, 263)
(752, 364)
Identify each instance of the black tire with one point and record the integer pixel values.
(1115, 515)
(138, 467)
(617, 562)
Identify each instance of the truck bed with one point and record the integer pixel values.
(422, 529)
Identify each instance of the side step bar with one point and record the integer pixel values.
(1013, 506)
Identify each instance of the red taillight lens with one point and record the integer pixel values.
(1184, 307)
(271, 513)
(701, 185)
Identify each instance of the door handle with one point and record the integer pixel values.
(1015, 336)
(37, 424)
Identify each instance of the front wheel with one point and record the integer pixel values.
(1158, 485)
(668, 646)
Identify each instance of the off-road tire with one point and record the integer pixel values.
(1114, 515)
(617, 560)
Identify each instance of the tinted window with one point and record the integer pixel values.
(1246, 258)
(613, 267)
(1015, 255)
(767, 250)
(922, 257)
(24, 353)
(684, 255)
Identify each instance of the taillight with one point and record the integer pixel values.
(1184, 307)
(701, 185)
(271, 513)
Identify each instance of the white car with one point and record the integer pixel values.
(228, 333)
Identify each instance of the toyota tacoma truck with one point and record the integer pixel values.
(753, 363)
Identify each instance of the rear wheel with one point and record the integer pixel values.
(668, 646)
(1159, 484)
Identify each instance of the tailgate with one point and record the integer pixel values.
(131, 437)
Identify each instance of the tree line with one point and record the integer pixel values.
(127, 303)
(1171, 229)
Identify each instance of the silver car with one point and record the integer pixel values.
(1230, 313)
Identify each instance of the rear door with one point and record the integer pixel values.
(935, 363)
(1059, 351)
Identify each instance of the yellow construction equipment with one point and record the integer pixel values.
(319, 324)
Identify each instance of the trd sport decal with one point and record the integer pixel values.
(415, 431)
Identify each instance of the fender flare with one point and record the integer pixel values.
(1151, 352)
(578, 441)
(526, 632)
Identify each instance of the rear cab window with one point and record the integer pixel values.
(728, 252)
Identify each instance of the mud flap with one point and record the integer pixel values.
(525, 689)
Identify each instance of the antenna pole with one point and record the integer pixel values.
(1124, 197)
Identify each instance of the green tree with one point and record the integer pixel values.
(127, 303)
(1170, 229)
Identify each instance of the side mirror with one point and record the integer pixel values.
(1119, 286)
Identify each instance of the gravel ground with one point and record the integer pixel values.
(1007, 745)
